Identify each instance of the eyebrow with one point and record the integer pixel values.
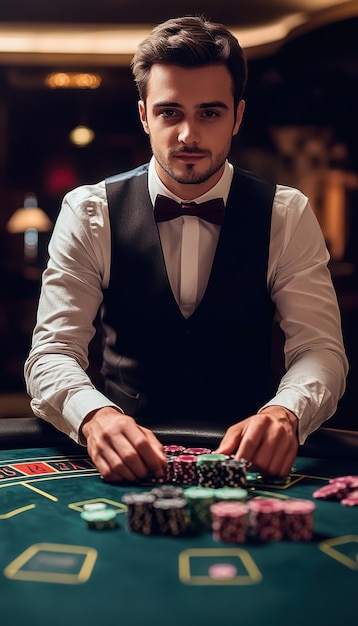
(216, 104)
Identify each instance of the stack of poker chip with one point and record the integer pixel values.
(170, 516)
(229, 521)
(185, 469)
(139, 516)
(161, 511)
(298, 520)
(231, 493)
(233, 472)
(266, 519)
(262, 519)
(343, 489)
(209, 470)
(199, 501)
(98, 516)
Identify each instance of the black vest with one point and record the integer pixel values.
(214, 366)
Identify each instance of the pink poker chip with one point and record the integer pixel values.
(174, 449)
(298, 507)
(228, 509)
(197, 451)
(267, 506)
(351, 499)
(222, 571)
(185, 458)
(335, 491)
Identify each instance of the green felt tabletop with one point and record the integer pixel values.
(56, 570)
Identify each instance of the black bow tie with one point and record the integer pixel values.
(166, 209)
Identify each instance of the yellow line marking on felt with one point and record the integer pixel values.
(328, 546)
(13, 570)
(17, 511)
(271, 494)
(253, 576)
(79, 506)
(42, 493)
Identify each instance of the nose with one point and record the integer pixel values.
(189, 133)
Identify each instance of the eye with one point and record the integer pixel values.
(168, 113)
(210, 114)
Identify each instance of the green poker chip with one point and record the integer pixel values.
(100, 519)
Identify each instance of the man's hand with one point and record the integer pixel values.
(120, 448)
(268, 440)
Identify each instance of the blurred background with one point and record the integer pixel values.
(68, 115)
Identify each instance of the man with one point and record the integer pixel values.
(187, 304)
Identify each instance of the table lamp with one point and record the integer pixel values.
(30, 220)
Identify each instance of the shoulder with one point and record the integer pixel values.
(291, 204)
(86, 195)
(142, 170)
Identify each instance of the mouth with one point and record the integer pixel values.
(190, 157)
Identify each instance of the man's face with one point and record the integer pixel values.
(190, 119)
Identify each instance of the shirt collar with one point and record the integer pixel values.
(220, 190)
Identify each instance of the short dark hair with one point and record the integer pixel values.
(191, 41)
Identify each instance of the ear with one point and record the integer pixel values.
(239, 115)
(143, 116)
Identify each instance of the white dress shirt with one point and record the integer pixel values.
(79, 268)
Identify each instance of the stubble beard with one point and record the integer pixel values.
(191, 176)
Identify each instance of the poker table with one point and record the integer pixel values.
(56, 570)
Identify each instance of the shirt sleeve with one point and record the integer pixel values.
(308, 313)
(71, 294)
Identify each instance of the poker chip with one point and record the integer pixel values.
(229, 522)
(342, 488)
(99, 519)
(170, 516)
(298, 519)
(266, 519)
(333, 491)
(199, 501)
(209, 470)
(351, 499)
(197, 451)
(94, 506)
(174, 450)
(139, 515)
(233, 473)
(231, 493)
(222, 571)
(185, 469)
(168, 492)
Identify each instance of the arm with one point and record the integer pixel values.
(55, 371)
(316, 366)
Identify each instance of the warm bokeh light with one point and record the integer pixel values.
(81, 136)
(73, 80)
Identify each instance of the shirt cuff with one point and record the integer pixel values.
(308, 419)
(79, 405)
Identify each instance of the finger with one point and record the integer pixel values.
(252, 445)
(110, 467)
(230, 440)
(281, 464)
(150, 451)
